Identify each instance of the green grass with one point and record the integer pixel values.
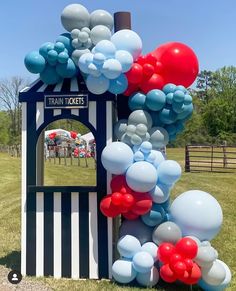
(222, 186)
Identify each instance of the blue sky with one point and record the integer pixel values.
(208, 26)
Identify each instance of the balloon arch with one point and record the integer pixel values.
(158, 239)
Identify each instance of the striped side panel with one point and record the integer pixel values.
(75, 239)
(109, 132)
(39, 234)
(23, 188)
(93, 236)
(57, 244)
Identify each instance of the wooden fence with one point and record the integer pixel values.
(210, 158)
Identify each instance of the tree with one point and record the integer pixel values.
(9, 91)
(205, 81)
(4, 128)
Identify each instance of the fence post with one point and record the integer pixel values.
(212, 150)
(187, 161)
(224, 154)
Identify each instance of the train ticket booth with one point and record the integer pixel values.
(63, 232)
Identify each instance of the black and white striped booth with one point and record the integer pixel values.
(63, 232)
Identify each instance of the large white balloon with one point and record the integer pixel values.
(197, 213)
(75, 16)
(101, 17)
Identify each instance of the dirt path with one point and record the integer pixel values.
(26, 284)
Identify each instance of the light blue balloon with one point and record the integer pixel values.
(67, 70)
(169, 88)
(99, 58)
(198, 214)
(146, 147)
(45, 48)
(137, 101)
(66, 39)
(160, 157)
(150, 248)
(125, 59)
(93, 70)
(84, 62)
(105, 47)
(111, 69)
(143, 262)
(123, 271)
(221, 286)
(128, 246)
(34, 62)
(169, 98)
(63, 57)
(155, 216)
(118, 85)
(169, 172)
(49, 76)
(117, 157)
(155, 100)
(128, 40)
(138, 156)
(136, 228)
(187, 111)
(141, 176)
(97, 85)
(160, 193)
(148, 279)
(150, 158)
(167, 116)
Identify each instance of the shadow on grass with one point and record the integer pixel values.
(11, 261)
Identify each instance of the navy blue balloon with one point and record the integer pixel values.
(137, 101)
(167, 116)
(169, 88)
(178, 96)
(155, 100)
(118, 85)
(187, 111)
(66, 39)
(171, 129)
(172, 137)
(34, 62)
(67, 70)
(49, 76)
(155, 119)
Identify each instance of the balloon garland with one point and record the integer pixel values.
(158, 239)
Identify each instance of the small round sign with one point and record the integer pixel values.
(14, 277)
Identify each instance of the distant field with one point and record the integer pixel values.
(222, 186)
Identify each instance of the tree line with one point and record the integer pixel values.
(213, 120)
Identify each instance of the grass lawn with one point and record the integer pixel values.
(222, 186)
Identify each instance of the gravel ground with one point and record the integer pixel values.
(26, 284)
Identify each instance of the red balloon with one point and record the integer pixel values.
(130, 215)
(132, 88)
(179, 268)
(107, 208)
(174, 259)
(180, 64)
(73, 134)
(165, 251)
(189, 264)
(141, 60)
(118, 183)
(158, 68)
(148, 70)
(116, 198)
(151, 59)
(187, 247)
(155, 82)
(52, 135)
(167, 274)
(128, 200)
(193, 277)
(143, 203)
(135, 74)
